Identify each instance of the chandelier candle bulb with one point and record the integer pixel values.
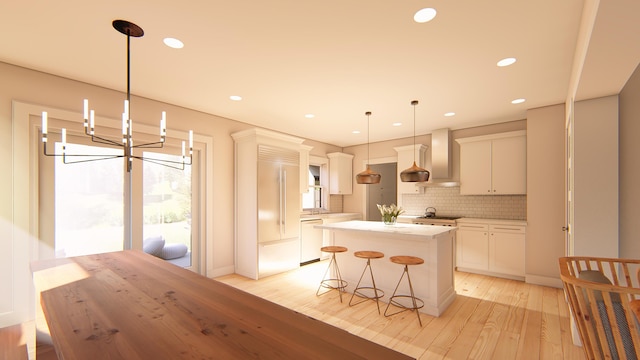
(163, 125)
(190, 142)
(92, 121)
(44, 126)
(182, 148)
(64, 137)
(124, 126)
(85, 111)
(126, 108)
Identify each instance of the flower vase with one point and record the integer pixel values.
(389, 220)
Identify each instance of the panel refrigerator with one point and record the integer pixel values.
(278, 210)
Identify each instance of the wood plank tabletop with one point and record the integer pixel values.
(131, 305)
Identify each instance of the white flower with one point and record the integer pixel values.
(390, 211)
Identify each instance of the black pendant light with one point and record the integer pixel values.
(414, 173)
(368, 176)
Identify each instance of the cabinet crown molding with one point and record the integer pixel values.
(492, 136)
(420, 147)
(268, 134)
(339, 154)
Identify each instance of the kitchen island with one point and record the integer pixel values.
(432, 281)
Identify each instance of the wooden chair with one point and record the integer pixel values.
(600, 293)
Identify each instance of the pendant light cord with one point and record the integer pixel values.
(368, 113)
(129, 70)
(414, 103)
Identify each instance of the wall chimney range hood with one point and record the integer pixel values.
(440, 160)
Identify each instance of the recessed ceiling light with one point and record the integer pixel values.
(506, 62)
(424, 15)
(355, 132)
(518, 101)
(397, 124)
(309, 116)
(173, 43)
(235, 97)
(449, 114)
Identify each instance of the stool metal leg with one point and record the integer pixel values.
(376, 291)
(335, 276)
(412, 296)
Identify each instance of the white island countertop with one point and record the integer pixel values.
(408, 231)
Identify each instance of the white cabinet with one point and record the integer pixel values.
(491, 247)
(340, 173)
(406, 156)
(472, 246)
(494, 164)
(506, 249)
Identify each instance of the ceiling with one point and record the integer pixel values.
(334, 59)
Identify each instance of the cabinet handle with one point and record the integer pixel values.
(506, 228)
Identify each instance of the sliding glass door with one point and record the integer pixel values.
(167, 204)
(88, 212)
(82, 204)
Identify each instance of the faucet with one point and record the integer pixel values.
(428, 213)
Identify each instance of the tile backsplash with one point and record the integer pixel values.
(335, 203)
(448, 201)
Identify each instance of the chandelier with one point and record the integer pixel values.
(126, 143)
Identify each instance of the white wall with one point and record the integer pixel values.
(630, 168)
(545, 194)
(595, 227)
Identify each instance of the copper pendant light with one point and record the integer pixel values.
(414, 173)
(368, 176)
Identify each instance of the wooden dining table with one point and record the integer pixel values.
(131, 305)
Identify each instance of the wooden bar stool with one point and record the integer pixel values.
(377, 293)
(415, 303)
(335, 278)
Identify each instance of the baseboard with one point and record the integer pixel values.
(213, 273)
(490, 273)
(543, 280)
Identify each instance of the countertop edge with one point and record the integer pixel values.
(491, 221)
(390, 230)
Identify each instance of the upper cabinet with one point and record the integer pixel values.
(494, 164)
(340, 173)
(406, 156)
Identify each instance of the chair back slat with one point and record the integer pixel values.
(599, 292)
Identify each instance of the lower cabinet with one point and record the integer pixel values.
(506, 249)
(472, 246)
(491, 248)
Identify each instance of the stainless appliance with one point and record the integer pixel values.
(310, 240)
(278, 210)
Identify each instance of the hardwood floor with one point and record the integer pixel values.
(491, 318)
